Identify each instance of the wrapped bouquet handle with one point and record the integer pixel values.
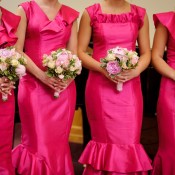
(56, 94)
(4, 97)
(119, 86)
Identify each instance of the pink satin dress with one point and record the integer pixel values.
(8, 26)
(46, 121)
(115, 117)
(164, 161)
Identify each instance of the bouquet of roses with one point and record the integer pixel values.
(62, 64)
(119, 59)
(12, 65)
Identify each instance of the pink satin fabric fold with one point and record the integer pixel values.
(7, 111)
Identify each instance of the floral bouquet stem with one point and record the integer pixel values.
(119, 86)
(56, 94)
(4, 97)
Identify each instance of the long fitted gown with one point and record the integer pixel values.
(46, 121)
(164, 162)
(8, 27)
(115, 117)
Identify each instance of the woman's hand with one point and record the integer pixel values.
(59, 85)
(6, 86)
(54, 83)
(127, 75)
(122, 77)
(116, 79)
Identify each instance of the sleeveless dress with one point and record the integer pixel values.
(115, 117)
(46, 121)
(164, 161)
(8, 27)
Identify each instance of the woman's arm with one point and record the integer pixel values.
(145, 53)
(72, 43)
(159, 44)
(144, 46)
(84, 36)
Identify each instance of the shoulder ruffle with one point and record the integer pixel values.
(140, 12)
(8, 28)
(26, 6)
(68, 14)
(27, 163)
(124, 158)
(136, 15)
(65, 17)
(167, 19)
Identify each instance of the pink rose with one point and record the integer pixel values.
(62, 58)
(134, 59)
(20, 70)
(113, 68)
(119, 51)
(3, 67)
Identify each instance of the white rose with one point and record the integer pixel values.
(58, 70)
(14, 62)
(72, 68)
(51, 64)
(130, 54)
(110, 57)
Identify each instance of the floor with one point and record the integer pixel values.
(149, 139)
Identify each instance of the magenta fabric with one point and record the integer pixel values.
(115, 117)
(164, 162)
(46, 121)
(7, 111)
(8, 27)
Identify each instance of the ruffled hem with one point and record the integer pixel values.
(136, 15)
(167, 19)
(116, 158)
(27, 163)
(8, 28)
(164, 164)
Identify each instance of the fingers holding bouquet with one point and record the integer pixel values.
(5, 89)
(12, 67)
(127, 75)
(6, 85)
(120, 64)
(62, 66)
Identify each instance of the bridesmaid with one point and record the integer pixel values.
(164, 162)
(45, 26)
(8, 25)
(115, 117)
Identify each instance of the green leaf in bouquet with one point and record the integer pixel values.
(49, 74)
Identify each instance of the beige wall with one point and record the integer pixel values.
(152, 6)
